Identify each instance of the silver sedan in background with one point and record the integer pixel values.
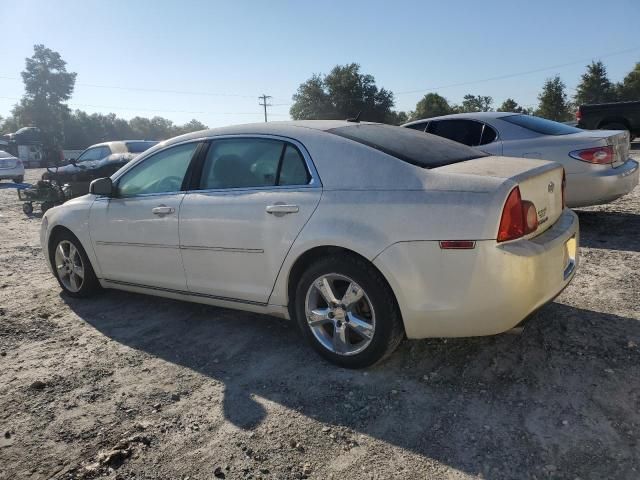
(596, 162)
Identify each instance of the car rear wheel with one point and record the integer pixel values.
(18, 180)
(72, 267)
(347, 312)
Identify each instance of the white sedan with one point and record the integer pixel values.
(363, 233)
(11, 167)
(597, 162)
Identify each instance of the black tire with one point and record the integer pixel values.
(90, 284)
(27, 208)
(18, 180)
(389, 330)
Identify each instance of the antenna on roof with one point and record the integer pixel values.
(355, 119)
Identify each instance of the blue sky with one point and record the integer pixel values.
(241, 49)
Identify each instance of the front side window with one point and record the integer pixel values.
(252, 162)
(160, 173)
(91, 154)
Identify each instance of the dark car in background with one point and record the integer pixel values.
(610, 116)
(97, 161)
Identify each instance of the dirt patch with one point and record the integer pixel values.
(130, 386)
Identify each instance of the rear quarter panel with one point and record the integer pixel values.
(368, 222)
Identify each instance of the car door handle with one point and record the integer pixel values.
(281, 209)
(162, 210)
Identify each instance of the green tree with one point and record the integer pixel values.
(510, 105)
(629, 88)
(476, 103)
(595, 86)
(191, 126)
(397, 117)
(431, 105)
(47, 86)
(343, 93)
(553, 101)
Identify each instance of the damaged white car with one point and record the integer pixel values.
(363, 233)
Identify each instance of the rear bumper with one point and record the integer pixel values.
(10, 173)
(601, 186)
(482, 291)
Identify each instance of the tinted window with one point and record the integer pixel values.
(418, 126)
(162, 172)
(427, 151)
(540, 125)
(462, 131)
(252, 162)
(139, 147)
(488, 134)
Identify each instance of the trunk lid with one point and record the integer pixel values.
(539, 181)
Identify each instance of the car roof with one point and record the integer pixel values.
(469, 116)
(283, 128)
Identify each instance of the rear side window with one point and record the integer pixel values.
(540, 125)
(488, 134)
(139, 147)
(252, 162)
(462, 131)
(411, 146)
(418, 126)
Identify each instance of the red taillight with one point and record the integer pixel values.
(599, 155)
(519, 217)
(578, 114)
(512, 221)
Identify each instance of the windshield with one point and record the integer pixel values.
(139, 147)
(540, 125)
(418, 148)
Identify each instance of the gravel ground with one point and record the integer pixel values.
(129, 386)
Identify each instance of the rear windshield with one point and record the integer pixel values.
(540, 125)
(418, 148)
(139, 147)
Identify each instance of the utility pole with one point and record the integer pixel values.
(264, 104)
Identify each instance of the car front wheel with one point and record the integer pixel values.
(71, 266)
(347, 311)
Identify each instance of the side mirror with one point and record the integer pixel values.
(102, 186)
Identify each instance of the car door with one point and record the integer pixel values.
(469, 132)
(135, 233)
(252, 197)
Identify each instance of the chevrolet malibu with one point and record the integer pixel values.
(362, 233)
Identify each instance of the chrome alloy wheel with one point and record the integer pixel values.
(340, 314)
(69, 266)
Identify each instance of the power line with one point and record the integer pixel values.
(113, 107)
(264, 104)
(511, 75)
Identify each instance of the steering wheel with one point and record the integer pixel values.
(169, 184)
